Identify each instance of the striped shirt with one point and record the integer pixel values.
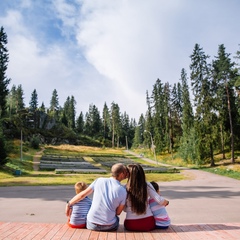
(80, 211)
(160, 213)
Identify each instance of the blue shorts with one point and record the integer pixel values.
(97, 227)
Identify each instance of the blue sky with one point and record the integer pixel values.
(110, 51)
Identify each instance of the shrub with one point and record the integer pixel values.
(34, 142)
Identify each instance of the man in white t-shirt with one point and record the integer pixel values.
(109, 198)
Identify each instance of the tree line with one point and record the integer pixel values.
(194, 120)
(203, 126)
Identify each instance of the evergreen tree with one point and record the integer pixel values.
(224, 78)
(96, 122)
(15, 101)
(175, 114)
(88, 124)
(54, 103)
(19, 99)
(203, 99)
(138, 133)
(187, 143)
(148, 121)
(68, 118)
(42, 107)
(72, 116)
(159, 116)
(187, 111)
(115, 123)
(80, 123)
(93, 122)
(168, 117)
(33, 104)
(4, 81)
(3, 151)
(237, 88)
(125, 129)
(131, 132)
(11, 101)
(106, 122)
(66, 113)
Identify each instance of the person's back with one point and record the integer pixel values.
(160, 214)
(79, 210)
(108, 195)
(138, 213)
(109, 198)
(79, 213)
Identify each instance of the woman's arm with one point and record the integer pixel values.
(153, 194)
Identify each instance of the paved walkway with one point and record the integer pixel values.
(206, 206)
(204, 198)
(36, 160)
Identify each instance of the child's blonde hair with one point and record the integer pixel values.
(80, 186)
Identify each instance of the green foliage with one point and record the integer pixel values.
(188, 149)
(224, 172)
(34, 142)
(54, 103)
(4, 81)
(3, 152)
(33, 104)
(93, 123)
(169, 118)
(3, 148)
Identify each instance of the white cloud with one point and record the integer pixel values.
(108, 50)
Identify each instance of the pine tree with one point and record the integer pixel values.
(93, 124)
(115, 123)
(138, 133)
(80, 123)
(3, 151)
(168, 117)
(204, 117)
(148, 121)
(125, 130)
(224, 79)
(159, 116)
(72, 116)
(69, 112)
(106, 122)
(54, 103)
(187, 143)
(4, 81)
(33, 104)
(19, 98)
(66, 113)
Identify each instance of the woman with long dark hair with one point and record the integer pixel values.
(138, 213)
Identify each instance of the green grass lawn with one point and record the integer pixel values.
(29, 177)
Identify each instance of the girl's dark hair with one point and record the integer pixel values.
(155, 185)
(137, 189)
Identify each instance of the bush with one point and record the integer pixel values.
(3, 152)
(34, 142)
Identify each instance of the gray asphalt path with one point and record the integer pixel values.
(203, 198)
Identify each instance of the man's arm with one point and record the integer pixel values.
(77, 198)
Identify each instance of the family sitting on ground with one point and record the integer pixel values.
(141, 200)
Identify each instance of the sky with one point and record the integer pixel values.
(104, 51)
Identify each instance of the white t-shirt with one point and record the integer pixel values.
(152, 194)
(107, 196)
